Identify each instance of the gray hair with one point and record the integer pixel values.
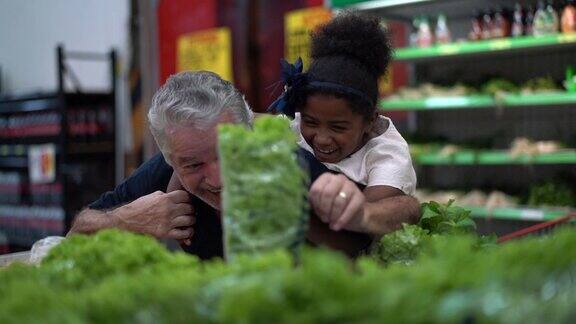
(195, 99)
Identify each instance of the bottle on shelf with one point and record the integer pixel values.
(413, 41)
(517, 28)
(476, 31)
(540, 24)
(553, 20)
(568, 21)
(425, 36)
(443, 35)
(529, 21)
(487, 24)
(501, 24)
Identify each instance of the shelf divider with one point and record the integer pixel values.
(479, 101)
(482, 47)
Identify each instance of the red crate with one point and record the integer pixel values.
(539, 229)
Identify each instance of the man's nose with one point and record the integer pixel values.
(212, 176)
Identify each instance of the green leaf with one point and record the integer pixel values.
(446, 218)
(401, 246)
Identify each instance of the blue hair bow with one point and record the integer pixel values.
(293, 80)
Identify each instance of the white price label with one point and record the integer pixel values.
(531, 214)
(42, 163)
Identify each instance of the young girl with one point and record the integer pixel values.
(335, 115)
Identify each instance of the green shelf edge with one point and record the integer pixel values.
(483, 46)
(370, 4)
(345, 3)
(494, 158)
(528, 214)
(543, 99)
(438, 103)
(472, 102)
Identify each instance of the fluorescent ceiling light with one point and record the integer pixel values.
(376, 4)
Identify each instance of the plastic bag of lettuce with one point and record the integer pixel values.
(264, 195)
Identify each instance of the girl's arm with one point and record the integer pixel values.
(386, 208)
(378, 210)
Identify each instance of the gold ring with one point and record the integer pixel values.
(342, 195)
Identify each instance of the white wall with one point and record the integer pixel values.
(31, 29)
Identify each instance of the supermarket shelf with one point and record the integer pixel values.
(29, 103)
(87, 100)
(373, 4)
(473, 102)
(438, 103)
(484, 47)
(503, 157)
(468, 157)
(51, 102)
(30, 140)
(12, 162)
(528, 214)
(459, 158)
(406, 10)
(543, 99)
(91, 148)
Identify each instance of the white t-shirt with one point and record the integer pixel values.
(384, 160)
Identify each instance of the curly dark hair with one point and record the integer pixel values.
(352, 50)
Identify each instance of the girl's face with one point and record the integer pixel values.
(331, 128)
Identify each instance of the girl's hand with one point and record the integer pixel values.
(338, 202)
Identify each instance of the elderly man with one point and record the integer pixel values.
(183, 119)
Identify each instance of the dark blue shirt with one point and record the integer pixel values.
(155, 174)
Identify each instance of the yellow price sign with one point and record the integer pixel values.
(209, 50)
(297, 27)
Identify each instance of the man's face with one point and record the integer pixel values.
(194, 157)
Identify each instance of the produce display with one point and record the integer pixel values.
(545, 195)
(496, 86)
(473, 198)
(264, 196)
(520, 146)
(427, 90)
(570, 80)
(551, 194)
(404, 245)
(119, 277)
(525, 146)
(493, 87)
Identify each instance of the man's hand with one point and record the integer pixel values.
(162, 215)
(338, 202)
